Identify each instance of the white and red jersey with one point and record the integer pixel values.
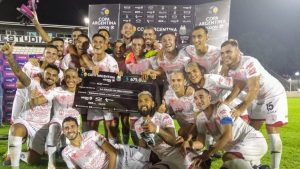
(163, 120)
(215, 125)
(37, 116)
(31, 71)
(250, 67)
(217, 85)
(140, 65)
(183, 107)
(66, 62)
(210, 60)
(89, 155)
(62, 103)
(169, 66)
(107, 64)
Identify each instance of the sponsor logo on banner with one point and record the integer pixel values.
(21, 62)
(9, 103)
(8, 74)
(6, 68)
(21, 38)
(21, 57)
(10, 91)
(10, 85)
(10, 80)
(1, 68)
(7, 108)
(9, 97)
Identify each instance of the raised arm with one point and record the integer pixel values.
(40, 29)
(22, 77)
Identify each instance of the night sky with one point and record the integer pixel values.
(266, 29)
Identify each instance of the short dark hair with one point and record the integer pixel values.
(137, 37)
(52, 66)
(200, 27)
(105, 30)
(98, 35)
(201, 68)
(70, 118)
(51, 46)
(77, 29)
(57, 39)
(201, 88)
(85, 36)
(168, 33)
(232, 42)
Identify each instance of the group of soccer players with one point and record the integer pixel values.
(219, 97)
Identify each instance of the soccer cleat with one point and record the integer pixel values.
(6, 160)
(24, 157)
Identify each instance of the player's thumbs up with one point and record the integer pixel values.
(162, 108)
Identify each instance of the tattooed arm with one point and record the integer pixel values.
(22, 77)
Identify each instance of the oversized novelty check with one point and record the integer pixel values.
(107, 91)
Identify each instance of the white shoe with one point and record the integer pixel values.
(24, 156)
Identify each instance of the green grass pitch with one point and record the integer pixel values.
(290, 137)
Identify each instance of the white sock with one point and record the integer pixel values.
(15, 146)
(51, 155)
(276, 150)
(52, 141)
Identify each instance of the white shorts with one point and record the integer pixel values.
(274, 110)
(252, 148)
(96, 114)
(132, 157)
(37, 135)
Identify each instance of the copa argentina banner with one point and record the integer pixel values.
(180, 19)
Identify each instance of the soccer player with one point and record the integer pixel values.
(106, 34)
(181, 105)
(79, 57)
(168, 59)
(218, 86)
(91, 150)
(106, 63)
(136, 63)
(127, 32)
(152, 46)
(264, 91)
(200, 52)
(156, 131)
(32, 71)
(62, 99)
(244, 146)
(33, 122)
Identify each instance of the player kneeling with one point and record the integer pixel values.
(244, 146)
(91, 150)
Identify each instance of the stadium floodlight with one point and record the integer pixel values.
(297, 73)
(86, 20)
